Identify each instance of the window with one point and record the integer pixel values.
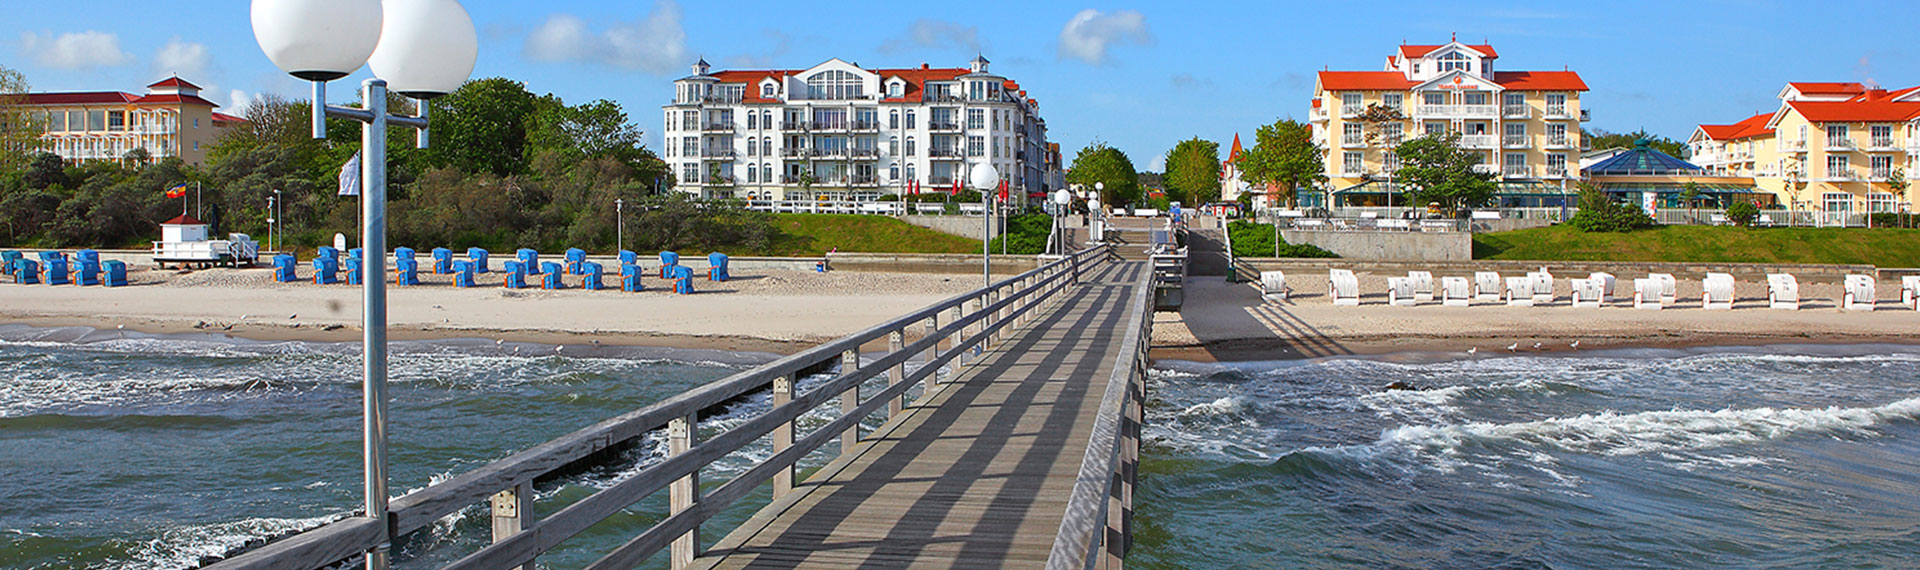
(1838, 167)
(196, 124)
(1516, 134)
(1390, 161)
(1837, 136)
(1351, 134)
(1394, 132)
(1557, 104)
(893, 173)
(117, 121)
(1474, 97)
(1882, 136)
(866, 118)
(690, 173)
(1353, 164)
(976, 118)
(1434, 98)
(976, 145)
(893, 146)
(909, 120)
(1454, 61)
(1556, 164)
(910, 174)
(1882, 167)
(753, 176)
(1432, 128)
(896, 89)
(1395, 101)
(1512, 99)
(690, 120)
(767, 90)
(1515, 159)
(753, 120)
(76, 121)
(1879, 202)
(766, 172)
(1837, 204)
(835, 85)
(1350, 101)
(910, 142)
(766, 146)
(893, 119)
(690, 146)
(1556, 134)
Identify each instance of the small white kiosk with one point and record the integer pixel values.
(183, 241)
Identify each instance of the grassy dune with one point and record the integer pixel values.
(814, 234)
(1879, 247)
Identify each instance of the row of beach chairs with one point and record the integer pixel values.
(327, 267)
(1653, 292)
(54, 268)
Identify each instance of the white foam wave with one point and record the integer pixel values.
(1225, 406)
(186, 547)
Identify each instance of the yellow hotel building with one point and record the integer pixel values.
(170, 120)
(1828, 151)
(1525, 125)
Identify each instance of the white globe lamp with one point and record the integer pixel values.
(427, 47)
(317, 40)
(984, 177)
(1062, 196)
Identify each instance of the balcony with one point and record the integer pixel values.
(938, 97)
(1839, 144)
(1558, 112)
(1352, 111)
(1882, 145)
(866, 154)
(828, 126)
(1476, 141)
(721, 99)
(1841, 175)
(1559, 142)
(1319, 114)
(716, 181)
(793, 152)
(866, 180)
(939, 183)
(1556, 171)
(717, 128)
(717, 154)
(1586, 116)
(1351, 171)
(866, 126)
(795, 126)
(1516, 112)
(943, 126)
(1516, 141)
(1458, 111)
(836, 152)
(938, 153)
(1517, 171)
(1353, 142)
(1794, 145)
(1493, 169)
(1880, 175)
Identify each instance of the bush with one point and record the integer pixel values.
(1891, 220)
(1599, 213)
(1256, 240)
(1742, 213)
(1026, 234)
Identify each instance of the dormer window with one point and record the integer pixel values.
(896, 89)
(1455, 60)
(767, 90)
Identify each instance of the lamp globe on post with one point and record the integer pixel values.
(317, 40)
(427, 49)
(983, 177)
(1061, 198)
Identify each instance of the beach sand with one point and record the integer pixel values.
(1227, 322)
(776, 311)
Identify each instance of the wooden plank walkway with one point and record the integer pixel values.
(975, 476)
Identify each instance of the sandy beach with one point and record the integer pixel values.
(777, 311)
(1223, 321)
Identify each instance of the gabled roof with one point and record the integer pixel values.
(80, 98)
(172, 99)
(1750, 127)
(1233, 156)
(1365, 81)
(916, 79)
(219, 117)
(183, 220)
(1827, 88)
(1422, 51)
(174, 82)
(1856, 111)
(1540, 80)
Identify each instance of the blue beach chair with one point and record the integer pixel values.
(283, 268)
(552, 275)
(326, 270)
(683, 280)
(442, 261)
(353, 266)
(630, 278)
(86, 273)
(629, 258)
(406, 272)
(590, 276)
(668, 260)
(530, 259)
(463, 273)
(516, 275)
(575, 257)
(53, 268)
(116, 273)
(717, 267)
(6, 261)
(479, 258)
(26, 271)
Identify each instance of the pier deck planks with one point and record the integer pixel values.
(977, 475)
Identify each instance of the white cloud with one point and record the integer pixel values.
(189, 60)
(1088, 35)
(82, 50)
(654, 44)
(1159, 164)
(237, 101)
(935, 34)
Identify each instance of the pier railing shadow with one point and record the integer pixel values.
(949, 332)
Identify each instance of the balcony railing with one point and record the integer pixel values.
(939, 183)
(795, 126)
(819, 126)
(1351, 111)
(1516, 171)
(1487, 168)
(866, 125)
(937, 97)
(865, 180)
(1319, 114)
(720, 99)
(1586, 116)
(1558, 112)
(1841, 175)
(945, 153)
(1558, 142)
(1459, 111)
(1516, 141)
(1353, 142)
(1516, 111)
(1353, 172)
(1882, 145)
(717, 127)
(1839, 143)
(833, 152)
(1556, 171)
(1881, 174)
(1476, 141)
(716, 181)
(939, 126)
(721, 154)
(793, 152)
(1799, 145)
(866, 153)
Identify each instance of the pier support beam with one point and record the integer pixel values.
(685, 491)
(849, 400)
(783, 437)
(897, 342)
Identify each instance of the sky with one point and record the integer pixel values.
(1138, 77)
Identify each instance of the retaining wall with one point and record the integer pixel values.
(963, 226)
(1388, 245)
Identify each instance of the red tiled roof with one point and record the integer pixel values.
(219, 117)
(1828, 88)
(1751, 127)
(1418, 51)
(1856, 111)
(1540, 80)
(174, 82)
(916, 79)
(1233, 156)
(183, 220)
(180, 99)
(1364, 81)
(80, 98)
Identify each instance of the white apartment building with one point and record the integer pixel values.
(837, 131)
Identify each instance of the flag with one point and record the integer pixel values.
(350, 177)
(956, 187)
(177, 191)
(1003, 190)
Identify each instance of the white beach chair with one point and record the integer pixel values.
(1487, 286)
(1586, 292)
(1400, 292)
(1343, 288)
(1519, 292)
(1859, 293)
(1455, 292)
(1716, 292)
(1273, 286)
(1783, 292)
(1646, 294)
(1669, 288)
(1542, 286)
(1422, 285)
(1910, 291)
(1606, 286)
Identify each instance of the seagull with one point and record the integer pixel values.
(293, 315)
(1575, 345)
(1473, 351)
(243, 317)
(120, 327)
(1536, 346)
(1513, 347)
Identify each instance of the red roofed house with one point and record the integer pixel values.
(1826, 154)
(170, 120)
(853, 134)
(1525, 125)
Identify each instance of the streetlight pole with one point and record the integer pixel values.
(619, 225)
(279, 220)
(983, 177)
(426, 48)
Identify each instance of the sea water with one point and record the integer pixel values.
(1771, 457)
(121, 450)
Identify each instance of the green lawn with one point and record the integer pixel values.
(815, 234)
(1879, 247)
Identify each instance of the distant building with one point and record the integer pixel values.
(170, 120)
(1231, 187)
(1524, 125)
(1829, 149)
(837, 131)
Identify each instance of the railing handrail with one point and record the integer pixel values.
(420, 509)
(1112, 451)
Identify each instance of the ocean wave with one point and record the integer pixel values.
(187, 547)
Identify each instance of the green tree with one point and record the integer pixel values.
(1601, 139)
(1193, 171)
(1742, 213)
(482, 127)
(1101, 164)
(1897, 183)
(19, 135)
(1437, 170)
(1600, 213)
(1283, 156)
(1690, 193)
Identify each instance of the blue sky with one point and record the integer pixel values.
(1137, 76)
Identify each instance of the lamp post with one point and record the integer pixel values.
(270, 223)
(421, 49)
(619, 225)
(983, 178)
(1061, 200)
(279, 220)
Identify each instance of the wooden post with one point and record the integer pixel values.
(933, 352)
(979, 303)
(850, 399)
(683, 492)
(896, 343)
(783, 437)
(512, 513)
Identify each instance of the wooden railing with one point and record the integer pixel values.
(973, 321)
(1098, 528)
